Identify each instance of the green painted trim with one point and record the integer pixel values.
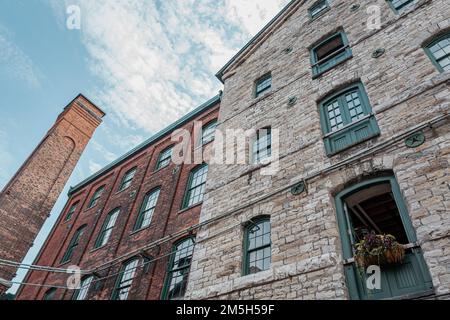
(115, 292)
(126, 178)
(165, 290)
(346, 117)
(317, 70)
(140, 218)
(398, 10)
(204, 128)
(202, 108)
(429, 44)
(187, 192)
(311, 17)
(258, 81)
(351, 272)
(248, 226)
(71, 212)
(95, 197)
(73, 244)
(101, 234)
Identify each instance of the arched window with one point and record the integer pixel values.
(439, 52)
(73, 244)
(125, 280)
(208, 132)
(71, 211)
(147, 209)
(50, 294)
(178, 271)
(127, 179)
(347, 119)
(257, 246)
(82, 292)
(107, 228)
(95, 197)
(196, 186)
(164, 158)
(262, 145)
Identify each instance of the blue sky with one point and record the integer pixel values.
(145, 63)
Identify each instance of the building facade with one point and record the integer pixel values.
(28, 198)
(361, 115)
(355, 116)
(129, 227)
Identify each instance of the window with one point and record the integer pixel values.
(398, 5)
(347, 119)
(318, 8)
(49, 294)
(196, 186)
(127, 179)
(208, 132)
(178, 271)
(147, 210)
(263, 84)
(439, 52)
(262, 145)
(164, 158)
(81, 294)
(257, 246)
(107, 228)
(71, 211)
(96, 197)
(125, 280)
(73, 244)
(329, 53)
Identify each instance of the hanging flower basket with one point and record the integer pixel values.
(378, 249)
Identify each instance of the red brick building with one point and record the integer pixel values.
(127, 226)
(30, 195)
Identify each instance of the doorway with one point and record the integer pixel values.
(376, 206)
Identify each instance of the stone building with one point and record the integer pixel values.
(28, 198)
(361, 114)
(121, 225)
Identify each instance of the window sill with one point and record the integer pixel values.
(98, 249)
(134, 232)
(191, 207)
(319, 74)
(162, 168)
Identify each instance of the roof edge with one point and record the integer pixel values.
(205, 106)
(220, 73)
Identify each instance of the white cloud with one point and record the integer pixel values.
(156, 59)
(15, 63)
(94, 166)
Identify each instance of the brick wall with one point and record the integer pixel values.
(167, 220)
(29, 197)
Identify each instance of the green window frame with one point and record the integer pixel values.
(178, 269)
(82, 292)
(262, 145)
(263, 84)
(74, 242)
(347, 119)
(257, 245)
(125, 279)
(50, 294)
(147, 209)
(95, 197)
(208, 132)
(196, 186)
(127, 179)
(107, 228)
(398, 5)
(439, 52)
(71, 211)
(319, 8)
(164, 158)
(329, 53)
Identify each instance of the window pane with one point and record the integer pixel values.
(84, 289)
(164, 158)
(197, 186)
(398, 4)
(441, 53)
(179, 269)
(354, 105)
(318, 8)
(258, 247)
(263, 84)
(126, 280)
(262, 147)
(208, 132)
(149, 208)
(330, 47)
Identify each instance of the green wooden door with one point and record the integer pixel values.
(407, 279)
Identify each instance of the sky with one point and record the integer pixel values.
(146, 63)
